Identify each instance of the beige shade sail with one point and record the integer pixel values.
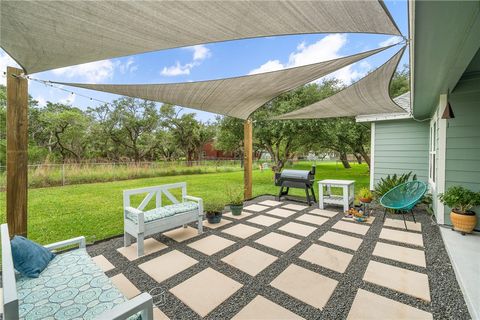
(369, 95)
(236, 97)
(42, 35)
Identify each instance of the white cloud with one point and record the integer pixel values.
(177, 69)
(128, 67)
(327, 48)
(270, 65)
(92, 72)
(6, 61)
(200, 53)
(390, 41)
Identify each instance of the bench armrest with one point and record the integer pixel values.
(80, 241)
(192, 198)
(142, 303)
(133, 210)
(196, 199)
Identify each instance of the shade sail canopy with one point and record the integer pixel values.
(236, 97)
(370, 95)
(42, 35)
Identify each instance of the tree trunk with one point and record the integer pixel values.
(359, 157)
(343, 158)
(365, 156)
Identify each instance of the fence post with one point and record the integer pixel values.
(63, 174)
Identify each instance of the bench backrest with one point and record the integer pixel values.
(9, 284)
(156, 192)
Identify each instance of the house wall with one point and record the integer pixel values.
(462, 165)
(401, 146)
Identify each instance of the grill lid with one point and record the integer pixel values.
(295, 174)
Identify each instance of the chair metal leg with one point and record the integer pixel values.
(384, 214)
(404, 221)
(413, 215)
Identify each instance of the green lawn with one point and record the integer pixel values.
(95, 210)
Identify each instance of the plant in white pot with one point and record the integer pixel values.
(461, 200)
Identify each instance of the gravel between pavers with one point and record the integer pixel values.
(447, 299)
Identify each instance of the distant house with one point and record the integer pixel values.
(209, 152)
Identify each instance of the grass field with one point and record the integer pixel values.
(51, 175)
(95, 210)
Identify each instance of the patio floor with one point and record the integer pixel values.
(284, 260)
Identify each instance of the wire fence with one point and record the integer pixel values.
(52, 175)
(49, 175)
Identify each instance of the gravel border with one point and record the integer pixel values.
(447, 298)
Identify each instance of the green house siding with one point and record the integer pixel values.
(462, 166)
(401, 146)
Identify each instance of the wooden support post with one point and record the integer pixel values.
(248, 155)
(17, 157)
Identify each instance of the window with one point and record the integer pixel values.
(433, 152)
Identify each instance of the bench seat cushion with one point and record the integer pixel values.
(166, 211)
(71, 287)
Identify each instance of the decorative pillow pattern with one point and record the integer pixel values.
(71, 287)
(29, 258)
(166, 211)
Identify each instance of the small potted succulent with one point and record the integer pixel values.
(461, 200)
(214, 212)
(365, 195)
(235, 196)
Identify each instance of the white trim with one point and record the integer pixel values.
(372, 156)
(382, 117)
(441, 156)
(411, 43)
(432, 152)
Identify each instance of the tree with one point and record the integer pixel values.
(131, 124)
(400, 82)
(282, 139)
(230, 135)
(63, 130)
(189, 134)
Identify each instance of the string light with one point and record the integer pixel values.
(48, 83)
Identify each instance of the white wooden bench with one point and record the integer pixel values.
(17, 289)
(139, 223)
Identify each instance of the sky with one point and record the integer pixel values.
(219, 60)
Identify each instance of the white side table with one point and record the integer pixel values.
(345, 199)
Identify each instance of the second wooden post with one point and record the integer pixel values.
(248, 158)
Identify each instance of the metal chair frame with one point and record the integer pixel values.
(408, 207)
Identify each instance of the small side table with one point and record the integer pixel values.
(345, 199)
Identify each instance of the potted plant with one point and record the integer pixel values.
(365, 195)
(214, 212)
(461, 200)
(235, 196)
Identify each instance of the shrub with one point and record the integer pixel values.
(235, 195)
(213, 207)
(390, 182)
(460, 199)
(364, 193)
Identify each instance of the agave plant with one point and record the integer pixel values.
(390, 182)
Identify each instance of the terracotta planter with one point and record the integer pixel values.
(463, 222)
(365, 200)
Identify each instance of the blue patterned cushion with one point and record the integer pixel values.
(71, 287)
(165, 211)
